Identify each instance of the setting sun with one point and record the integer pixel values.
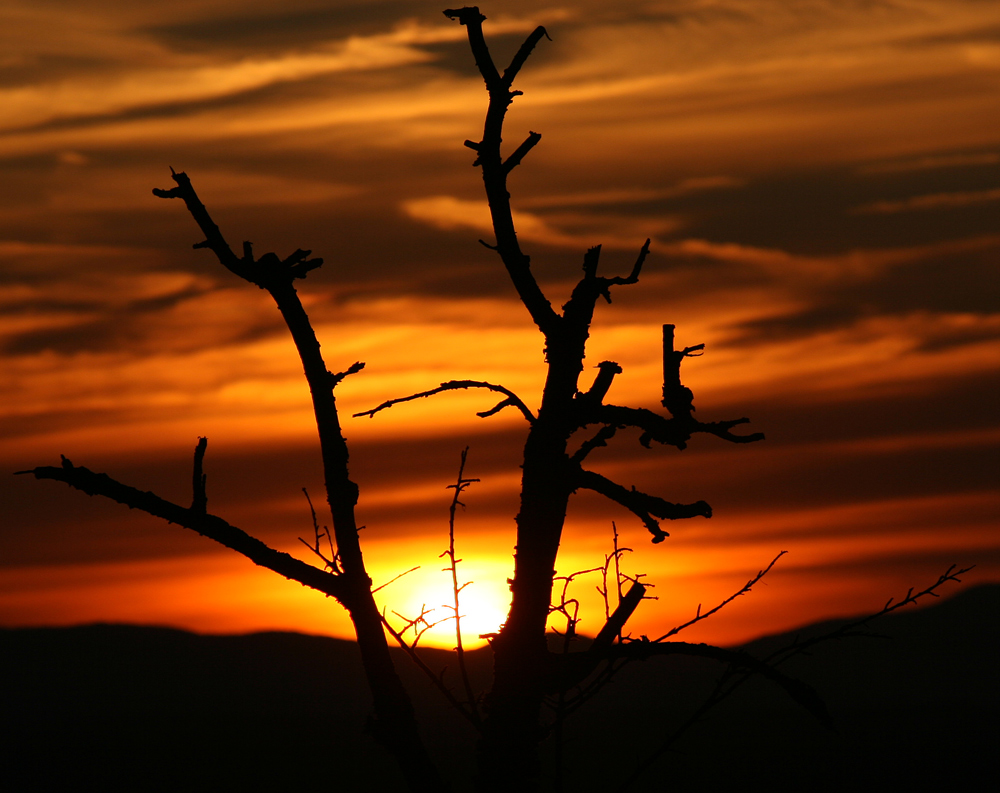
(819, 184)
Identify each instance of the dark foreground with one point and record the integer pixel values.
(112, 707)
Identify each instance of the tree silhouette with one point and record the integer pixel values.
(570, 424)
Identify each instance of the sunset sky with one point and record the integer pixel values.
(821, 183)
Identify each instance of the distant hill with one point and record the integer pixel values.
(117, 707)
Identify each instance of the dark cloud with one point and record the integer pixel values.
(748, 137)
(289, 29)
(959, 282)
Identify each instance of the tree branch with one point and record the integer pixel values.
(606, 371)
(668, 431)
(522, 55)
(461, 483)
(515, 159)
(396, 727)
(801, 693)
(699, 616)
(512, 399)
(642, 504)
(495, 170)
(851, 629)
(263, 272)
(215, 528)
(601, 438)
(676, 397)
(435, 679)
(613, 627)
(579, 309)
(473, 21)
(213, 236)
(199, 501)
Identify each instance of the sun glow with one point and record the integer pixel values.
(429, 590)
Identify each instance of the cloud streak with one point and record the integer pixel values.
(819, 181)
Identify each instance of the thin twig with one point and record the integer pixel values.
(699, 616)
(435, 679)
(512, 399)
(395, 578)
(330, 562)
(723, 689)
(460, 485)
(797, 647)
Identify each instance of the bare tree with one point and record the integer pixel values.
(571, 423)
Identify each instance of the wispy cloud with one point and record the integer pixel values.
(447, 212)
(933, 163)
(777, 153)
(933, 201)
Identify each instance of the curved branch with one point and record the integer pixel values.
(215, 528)
(436, 680)
(264, 272)
(702, 615)
(668, 431)
(721, 430)
(852, 628)
(512, 400)
(601, 438)
(801, 693)
(643, 505)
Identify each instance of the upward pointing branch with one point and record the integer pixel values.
(213, 236)
(522, 55)
(198, 520)
(397, 727)
(495, 169)
(473, 21)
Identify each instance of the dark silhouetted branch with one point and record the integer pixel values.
(616, 622)
(354, 368)
(331, 561)
(515, 159)
(495, 170)
(667, 431)
(213, 236)
(853, 628)
(578, 311)
(601, 438)
(473, 21)
(215, 528)
(512, 399)
(801, 693)
(720, 429)
(522, 55)
(461, 484)
(394, 579)
(602, 383)
(199, 501)
(396, 724)
(699, 616)
(435, 678)
(643, 505)
(676, 397)
(726, 687)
